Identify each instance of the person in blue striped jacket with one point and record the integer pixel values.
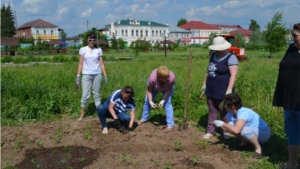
(117, 107)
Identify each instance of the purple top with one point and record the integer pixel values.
(154, 84)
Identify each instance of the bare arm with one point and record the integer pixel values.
(149, 94)
(132, 117)
(102, 66)
(80, 65)
(112, 111)
(233, 72)
(237, 128)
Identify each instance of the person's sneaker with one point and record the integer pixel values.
(226, 136)
(207, 136)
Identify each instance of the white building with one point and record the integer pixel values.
(179, 35)
(132, 30)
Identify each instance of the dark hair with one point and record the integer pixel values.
(91, 35)
(233, 99)
(297, 27)
(128, 90)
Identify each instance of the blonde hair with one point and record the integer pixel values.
(163, 72)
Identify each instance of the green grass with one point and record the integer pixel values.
(43, 92)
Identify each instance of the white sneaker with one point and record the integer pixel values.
(226, 136)
(207, 136)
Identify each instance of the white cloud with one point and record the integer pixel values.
(63, 11)
(117, 1)
(87, 13)
(134, 7)
(147, 5)
(102, 3)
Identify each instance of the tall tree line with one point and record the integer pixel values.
(8, 28)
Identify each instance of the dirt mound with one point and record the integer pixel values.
(71, 144)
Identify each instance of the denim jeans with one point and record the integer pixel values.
(168, 108)
(248, 132)
(91, 82)
(104, 113)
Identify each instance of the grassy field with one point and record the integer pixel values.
(41, 92)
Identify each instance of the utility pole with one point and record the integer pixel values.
(87, 24)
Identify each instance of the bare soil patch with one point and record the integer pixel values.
(71, 144)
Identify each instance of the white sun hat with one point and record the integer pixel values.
(219, 44)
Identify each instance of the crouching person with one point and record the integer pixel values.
(117, 107)
(245, 124)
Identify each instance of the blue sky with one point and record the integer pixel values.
(72, 15)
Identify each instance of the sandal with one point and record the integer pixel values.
(105, 130)
(79, 119)
(139, 122)
(169, 128)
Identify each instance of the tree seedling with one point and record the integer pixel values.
(55, 152)
(125, 158)
(195, 160)
(167, 165)
(82, 159)
(178, 146)
(63, 162)
(203, 143)
(33, 160)
(39, 166)
(66, 148)
(39, 143)
(89, 134)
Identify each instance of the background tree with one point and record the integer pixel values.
(254, 26)
(84, 36)
(8, 28)
(275, 35)
(181, 21)
(240, 40)
(63, 34)
(256, 41)
(121, 43)
(114, 42)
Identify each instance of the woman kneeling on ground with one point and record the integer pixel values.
(245, 124)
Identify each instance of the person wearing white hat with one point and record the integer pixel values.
(219, 81)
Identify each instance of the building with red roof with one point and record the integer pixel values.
(200, 31)
(38, 29)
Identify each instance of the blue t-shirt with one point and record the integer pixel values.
(252, 119)
(120, 105)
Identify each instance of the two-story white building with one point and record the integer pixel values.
(38, 29)
(132, 30)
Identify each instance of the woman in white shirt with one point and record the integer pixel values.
(91, 66)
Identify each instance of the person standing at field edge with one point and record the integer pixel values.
(219, 81)
(160, 80)
(116, 107)
(287, 95)
(91, 66)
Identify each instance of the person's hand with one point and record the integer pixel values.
(161, 103)
(228, 91)
(117, 123)
(106, 79)
(153, 105)
(77, 79)
(203, 88)
(218, 123)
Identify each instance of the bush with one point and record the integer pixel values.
(60, 58)
(6, 59)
